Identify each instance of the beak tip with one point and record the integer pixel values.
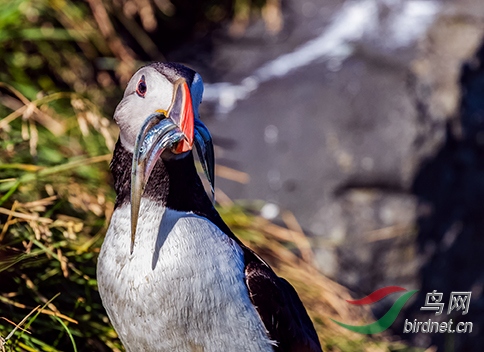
(134, 222)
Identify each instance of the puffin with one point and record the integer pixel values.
(171, 274)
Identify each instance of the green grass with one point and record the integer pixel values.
(55, 201)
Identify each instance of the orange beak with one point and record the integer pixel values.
(181, 112)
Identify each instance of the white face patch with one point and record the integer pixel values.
(133, 109)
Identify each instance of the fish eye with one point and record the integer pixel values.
(141, 88)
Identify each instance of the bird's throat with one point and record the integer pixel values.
(174, 183)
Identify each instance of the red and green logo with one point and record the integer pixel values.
(385, 321)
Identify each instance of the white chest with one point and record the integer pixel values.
(183, 287)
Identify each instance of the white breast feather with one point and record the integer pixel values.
(183, 287)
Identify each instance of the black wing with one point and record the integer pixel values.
(279, 307)
(276, 301)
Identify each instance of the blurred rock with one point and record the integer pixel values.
(372, 140)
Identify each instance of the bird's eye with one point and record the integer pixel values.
(141, 88)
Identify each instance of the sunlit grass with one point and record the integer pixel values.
(55, 202)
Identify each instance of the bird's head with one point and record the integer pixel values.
(158, 118)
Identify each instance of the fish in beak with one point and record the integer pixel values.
(176, 130)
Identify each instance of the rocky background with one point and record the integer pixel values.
(365, 119)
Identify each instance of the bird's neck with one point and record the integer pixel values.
(174, 184)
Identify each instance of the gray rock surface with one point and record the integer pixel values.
(355, 118)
